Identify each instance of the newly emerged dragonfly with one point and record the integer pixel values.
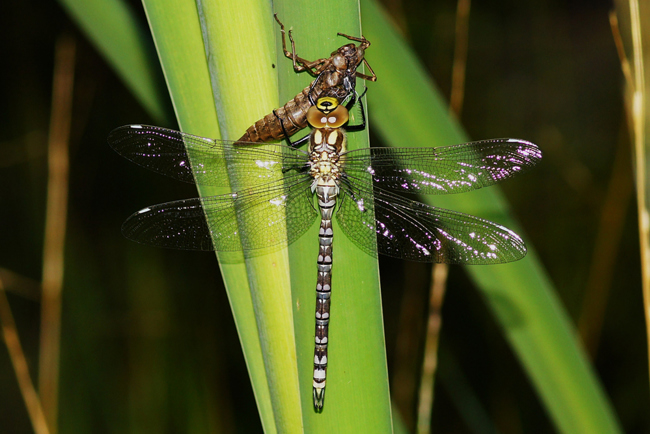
(335, 77)
(357, 187)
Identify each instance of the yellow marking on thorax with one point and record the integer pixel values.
(333, 137)
(318, 137)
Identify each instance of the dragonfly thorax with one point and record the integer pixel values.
(328, 139)
(325, 146)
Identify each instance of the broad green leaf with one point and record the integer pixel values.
(211, 70)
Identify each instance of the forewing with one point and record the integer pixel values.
(414, 231)
(201, 160)
(451, 169)
(261, 210)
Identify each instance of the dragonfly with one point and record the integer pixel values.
(335, 77)
(288, 188)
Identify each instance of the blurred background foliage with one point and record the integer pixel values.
(148, 342)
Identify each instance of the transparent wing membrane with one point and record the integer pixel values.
(277, 204)
(203, 161)
(450, 169)
(414, 231)
(263, 211)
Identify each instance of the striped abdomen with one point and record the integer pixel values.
(326, 201)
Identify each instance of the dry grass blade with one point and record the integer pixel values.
(430, 362)
(55, 227)
(620, 48)
(640, 148)
(20, 285)
(636, 107)
(10, 335)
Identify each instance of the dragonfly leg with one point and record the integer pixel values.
(372, 77)
(364, 42)
(299, 64)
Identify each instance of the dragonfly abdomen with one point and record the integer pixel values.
(326, 195)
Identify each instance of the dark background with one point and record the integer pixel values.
(148, 338)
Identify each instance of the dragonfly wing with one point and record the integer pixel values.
(260, 210)
(275, 213)
(174, 225)
(450, 169)
(414, 231)
(201, 160)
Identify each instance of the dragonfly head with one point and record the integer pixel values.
(327, 113)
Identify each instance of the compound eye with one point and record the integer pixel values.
(316, 118)
(338, 117)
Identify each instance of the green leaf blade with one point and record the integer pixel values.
(410, 112)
